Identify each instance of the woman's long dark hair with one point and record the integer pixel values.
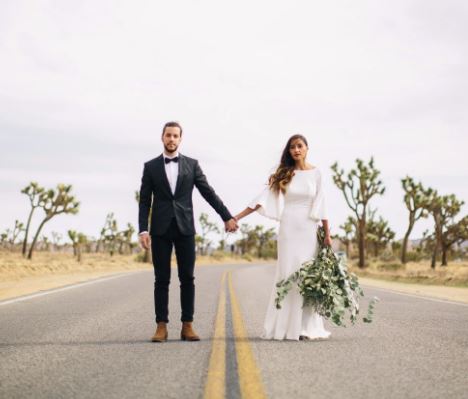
(281, 178)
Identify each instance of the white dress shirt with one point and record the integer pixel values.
(172, 171)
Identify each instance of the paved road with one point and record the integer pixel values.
(92, 341)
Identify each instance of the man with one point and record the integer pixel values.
(169, 180)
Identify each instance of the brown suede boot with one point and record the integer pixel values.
(161, 332)
(187, 333)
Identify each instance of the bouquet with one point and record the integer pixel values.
(325, 284)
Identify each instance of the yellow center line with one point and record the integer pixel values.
(215, 384)
(250, 380)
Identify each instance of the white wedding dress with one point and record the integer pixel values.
(299, 212)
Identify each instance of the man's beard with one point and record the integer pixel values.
(169, 151)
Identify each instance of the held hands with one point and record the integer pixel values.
(145, 241)
(231, 225)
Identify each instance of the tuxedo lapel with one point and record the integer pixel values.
(182, 172)
(161, 170)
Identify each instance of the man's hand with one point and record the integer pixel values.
(327, 240)
(231, 226)
(145, 241)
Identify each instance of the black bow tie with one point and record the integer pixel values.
(175, 159)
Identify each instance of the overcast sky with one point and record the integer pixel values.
(85, 87)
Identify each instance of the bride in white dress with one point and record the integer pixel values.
(294, 197)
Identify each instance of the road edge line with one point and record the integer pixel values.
(426, 297)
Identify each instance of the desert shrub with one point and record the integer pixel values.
(388, 256)
(142, 257)
(414, 256)
(270, 252)
(218, 255)
(396, 246)
(393, 266)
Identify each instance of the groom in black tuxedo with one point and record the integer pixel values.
(166, 188)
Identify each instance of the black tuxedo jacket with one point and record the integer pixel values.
(155, 193)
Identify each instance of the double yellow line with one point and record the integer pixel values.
(250, 381)
(216, 380)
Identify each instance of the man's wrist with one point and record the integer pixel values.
(143, 232)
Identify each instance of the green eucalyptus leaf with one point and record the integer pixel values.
(325, 284)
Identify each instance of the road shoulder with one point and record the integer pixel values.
(458, 294)
(30, 285)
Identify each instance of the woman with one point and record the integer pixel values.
(294, 196)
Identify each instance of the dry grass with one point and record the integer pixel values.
(13, 266)
(455, 274)
(19, 276)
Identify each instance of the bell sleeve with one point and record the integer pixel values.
(319, 210)
(271, 203)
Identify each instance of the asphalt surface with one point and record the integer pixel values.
(92, 341)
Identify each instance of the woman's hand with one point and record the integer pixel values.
(327, 240)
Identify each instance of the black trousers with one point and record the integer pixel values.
(161, 246)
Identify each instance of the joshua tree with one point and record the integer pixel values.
(249, 238)
(350, 230)
(358, 187)
(222, 242)
(55, 203)
(78, 240)
(109, 233)
(443, 209)
(199, 243)
(207, 227)
(73, 235)
(100, 242)
(427, 243)
(82, 240)
(455, 233)
(37, 197)
(8, 238)
(45, 243)
(416, 200)
(379, 233)
(4, 237)
(56, 238)
(91, 243)
(125, 239)
(17, 230)
(263, 238)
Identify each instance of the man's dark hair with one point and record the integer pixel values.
(172, 124)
